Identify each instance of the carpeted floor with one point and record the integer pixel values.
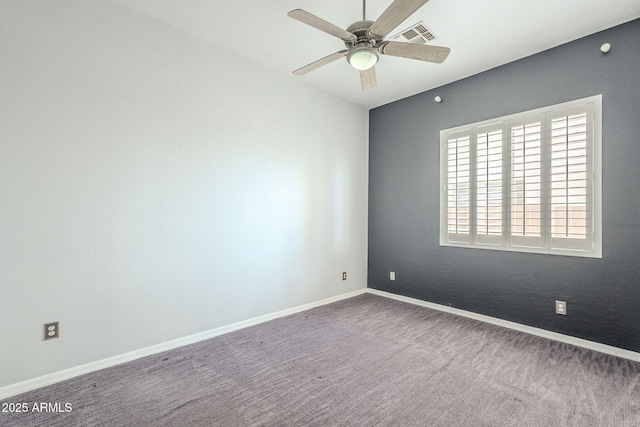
(365, 361)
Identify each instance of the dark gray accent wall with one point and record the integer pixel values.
(603, 295)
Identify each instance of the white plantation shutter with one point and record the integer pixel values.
(489, 184)
(528, 182)
(570, 179)
(458, 187)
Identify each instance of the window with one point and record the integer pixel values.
(528, 182)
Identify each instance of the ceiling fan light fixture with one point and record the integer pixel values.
(363, 58)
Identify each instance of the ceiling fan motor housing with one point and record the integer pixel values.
(363, 52)
(361, 30)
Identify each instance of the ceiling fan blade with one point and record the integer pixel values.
(321, 24)
(397, 12)
(368, 79)
(422, 52)
(320, 62)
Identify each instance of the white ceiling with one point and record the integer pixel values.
(482, 34)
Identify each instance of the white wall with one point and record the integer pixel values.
(154, 186)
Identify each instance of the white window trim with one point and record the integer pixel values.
(506, 122)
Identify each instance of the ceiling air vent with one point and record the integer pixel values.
(417, 33)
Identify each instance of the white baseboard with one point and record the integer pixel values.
(578, 342)
(45, 380)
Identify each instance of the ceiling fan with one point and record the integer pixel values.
(365, 40)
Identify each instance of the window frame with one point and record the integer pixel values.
(545, 244)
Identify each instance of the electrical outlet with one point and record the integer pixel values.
(51, 330)
(561, 307)
(392, 275)
(344, 275)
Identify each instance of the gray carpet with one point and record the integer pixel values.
(365, 361)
